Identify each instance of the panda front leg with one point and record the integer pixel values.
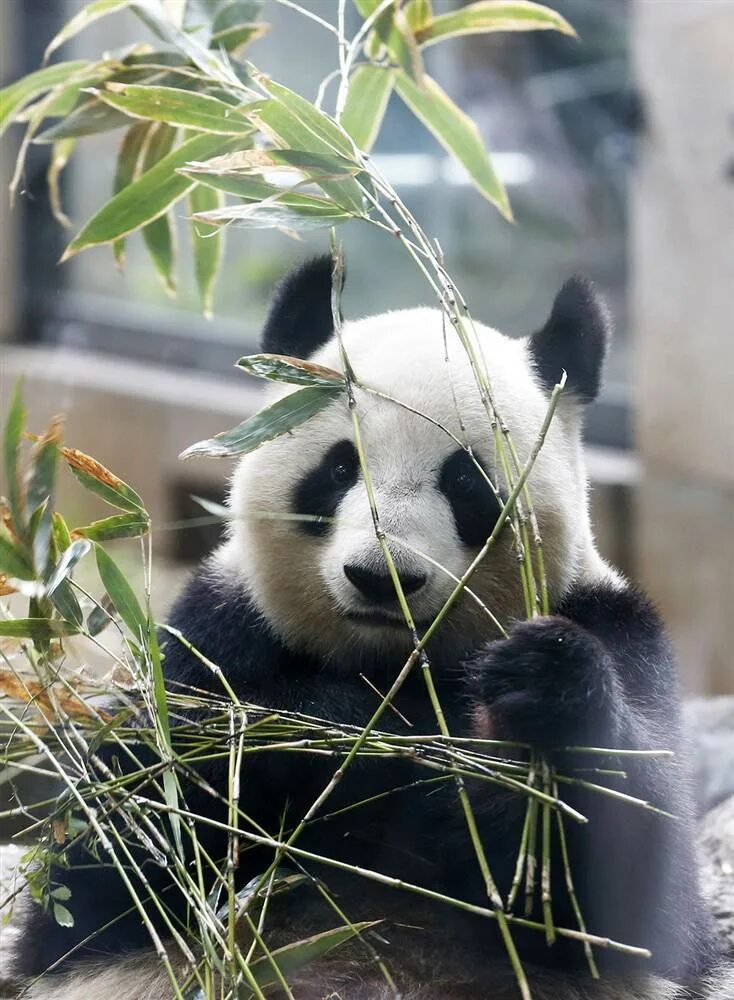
(599, 673)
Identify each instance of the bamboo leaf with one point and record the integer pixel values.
(42, 475)
(86, 16)
(493, 15)
(13, 561)
(58, 102)
(71, 556)
(61, 533)
(126, 170)
(293, 957)
(369, 92)
(65, 601)
(117, 526)
(239, 35)
(279, 418)
(457, 133)
(149, 196)
(176, 106)
(419, 14)
(236, 24)
(39, 532)
(316, 166)
(207, 243)
(35, 628)
(100, 481)
(60, 154)
(253, 189)
(159, 235)
(294, 123)
(62, 916)
(17, 95)
(392, 33)
(120, 593)
(277, 215)
(99, 617)
(280, 368)
(293, 118)
(90, 118)
(14, 425)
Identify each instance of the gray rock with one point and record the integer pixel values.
(710, 726)
(716, 855)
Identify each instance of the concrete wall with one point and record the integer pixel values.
(682, 267)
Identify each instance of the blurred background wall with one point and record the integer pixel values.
(618, 153)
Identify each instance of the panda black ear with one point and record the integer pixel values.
(300, 318)
(574, 339)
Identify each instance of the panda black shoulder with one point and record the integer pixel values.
(217, 618)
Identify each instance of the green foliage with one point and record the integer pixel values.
(208, 102)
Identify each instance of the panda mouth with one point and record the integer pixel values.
(377, 619)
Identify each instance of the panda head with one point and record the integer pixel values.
(322, 585)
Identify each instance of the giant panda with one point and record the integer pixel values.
(299, 611)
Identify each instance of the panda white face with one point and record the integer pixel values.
(323, 585)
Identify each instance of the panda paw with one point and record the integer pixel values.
(550, 683)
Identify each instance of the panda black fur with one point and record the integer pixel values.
(296, 611)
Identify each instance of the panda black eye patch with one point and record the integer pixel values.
(473, 503)
(319, 492)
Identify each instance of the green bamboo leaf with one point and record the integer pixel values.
(493, 15)
(61, 533)
(280, 368)
(65, 601)
(60, 155)
(90, 118)
(55, 102)
(207, 243)
(279, 418)
(36, 628)
(294, 123)
(316, 167)
(236, 24)
(42, 476)
(126, 170)
(99, 617)
(211, 63)
(316, 131)
(149, 196)
(457, 133)
(39, 532)
(14, 424)
(419, 14)
(13, 561)
(239, 35)
(120, 593)
(62, 916)
(176, 106)
(117, 526)
(293, 957)
(253, 189)
(369, 92)
(70, 557)
(392, 33)
(277, 215)
(103, 483)
(85, 17)
(17, 95)
(159, 235)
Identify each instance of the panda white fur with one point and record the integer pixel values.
(296, 612)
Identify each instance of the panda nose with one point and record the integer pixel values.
(378, 587)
